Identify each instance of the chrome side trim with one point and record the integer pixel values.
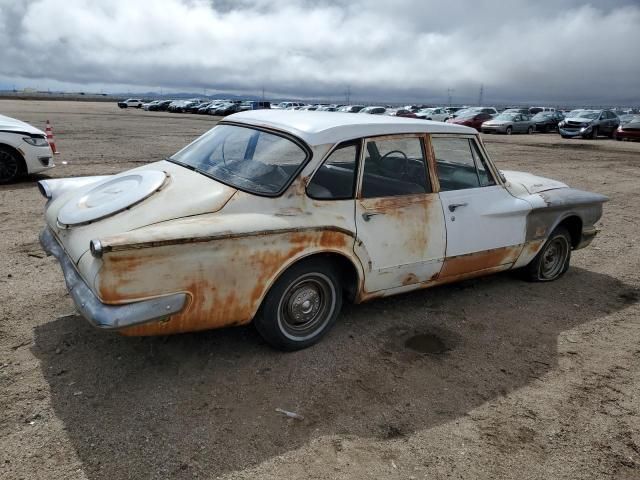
(103, 316)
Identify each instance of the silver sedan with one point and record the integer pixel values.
(509, 123)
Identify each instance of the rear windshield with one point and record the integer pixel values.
(245, 158)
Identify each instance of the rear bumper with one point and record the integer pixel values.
(101, 315)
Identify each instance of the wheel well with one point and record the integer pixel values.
(23, 164)
(345, 268)
(574, 225)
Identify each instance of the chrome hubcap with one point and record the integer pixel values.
(306, 306)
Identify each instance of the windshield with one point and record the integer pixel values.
(506, 116)
(588, 114)
(245, 158)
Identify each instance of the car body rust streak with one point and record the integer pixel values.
(478, 261)
(231, 297)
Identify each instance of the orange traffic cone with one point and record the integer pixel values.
(50, 139)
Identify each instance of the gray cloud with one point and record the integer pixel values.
(548, 50)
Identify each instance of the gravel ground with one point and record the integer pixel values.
(535, 381)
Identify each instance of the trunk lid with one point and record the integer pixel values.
(134, 199)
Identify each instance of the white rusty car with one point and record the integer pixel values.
(277, 216)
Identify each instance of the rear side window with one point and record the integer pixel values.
(460, 164)
(336, 178)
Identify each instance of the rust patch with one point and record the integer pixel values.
(225, 290)
(533, 247)
(412, 213)
(301, 185)
(390, 204)
(409, 279)
(367, 297)
(474, 262)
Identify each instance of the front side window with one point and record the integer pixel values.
(244, 157)
(394, 167)
(336, 178)
(460, 164)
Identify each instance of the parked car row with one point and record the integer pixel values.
(584, 123)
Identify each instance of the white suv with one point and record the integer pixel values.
(131, 102)
(23, 150)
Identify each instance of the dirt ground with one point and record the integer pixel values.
(537, 381)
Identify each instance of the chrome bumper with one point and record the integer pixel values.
(108, 317)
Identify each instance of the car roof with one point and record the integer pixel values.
(317, 128)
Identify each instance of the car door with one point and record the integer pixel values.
(399, 220)
(612, 122)
(485, 224)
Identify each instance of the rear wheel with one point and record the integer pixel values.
(301, 306)
(11, 166)
(552, 261)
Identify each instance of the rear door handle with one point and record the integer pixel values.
(367, 215)
(453, 206)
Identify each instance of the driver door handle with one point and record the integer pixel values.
(367, 215)
(453, 206)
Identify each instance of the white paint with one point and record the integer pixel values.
(532, 183)
(12, 132)
(490, 217)
(110, 196)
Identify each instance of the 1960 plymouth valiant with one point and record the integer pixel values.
(275, 217)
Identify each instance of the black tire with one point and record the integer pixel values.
(553, 259)
(301, 307)
(594, 133)
(11, 166)
(508, 131)
(529, 130)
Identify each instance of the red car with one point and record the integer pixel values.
(629, 130)
(471, 119)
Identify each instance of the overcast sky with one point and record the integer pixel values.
(520, 50)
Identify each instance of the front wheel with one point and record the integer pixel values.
(301, 306)
(529, 130)
(11, 166)
(508, 131)
(552, 261)
(594, 133)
